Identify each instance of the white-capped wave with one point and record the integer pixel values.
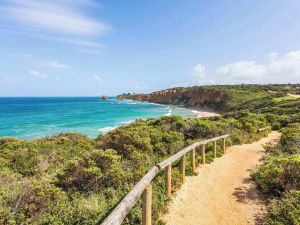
(169, 112)
(151, 103)
(106, 129)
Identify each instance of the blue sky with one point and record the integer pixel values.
(89, 48)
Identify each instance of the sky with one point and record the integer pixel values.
(109, 47)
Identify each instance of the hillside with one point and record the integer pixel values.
(227, 98)
(72, 179)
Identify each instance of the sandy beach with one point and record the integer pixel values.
(202, 113)
(207, 114)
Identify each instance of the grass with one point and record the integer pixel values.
(288, 97)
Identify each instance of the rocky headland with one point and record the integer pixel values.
(193, 97)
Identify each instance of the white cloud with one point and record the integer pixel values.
(277, 69)
(53, 16)
(64, 21)
(37, 74)
(199, 71)
(53, 64)
(287, 65)
(242, 70)
(77, 41)
(84, 2)
(98, 79)
(82, 43)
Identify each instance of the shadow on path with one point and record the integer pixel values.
(248, 193)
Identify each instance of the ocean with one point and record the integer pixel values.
(35, 117)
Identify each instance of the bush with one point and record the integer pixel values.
(21, 159)
(278, 174)
(98, 169)
(285, 211)
(290, 140)
(27, 200)
(196, 128)
(289, 143)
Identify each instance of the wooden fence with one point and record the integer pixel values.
(263, 129)
(144, 187)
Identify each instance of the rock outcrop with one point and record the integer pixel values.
(196, 97)
(135, 97)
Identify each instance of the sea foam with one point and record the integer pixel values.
(169, 112)
(106, 129)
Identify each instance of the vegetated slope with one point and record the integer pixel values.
(228, 98)
(279, 177)
(222, 192)
(71, 179)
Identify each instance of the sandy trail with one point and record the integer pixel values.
(294, 96)
(222, 193)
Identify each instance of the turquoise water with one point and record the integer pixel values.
(28, 118)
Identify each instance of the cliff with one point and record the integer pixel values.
(196, 97)
(135, 97)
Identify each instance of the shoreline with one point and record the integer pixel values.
(199, 112)
(190, 113)
(195, 113)
(208, 114)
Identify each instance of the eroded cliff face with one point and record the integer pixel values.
(195, 97)
(135, 97)
(191, 97)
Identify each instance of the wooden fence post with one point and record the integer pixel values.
(168, 180)
(224, 145)
(183, 168)
(147, 205)
(193, 160)
(215, 149)
(203, 154)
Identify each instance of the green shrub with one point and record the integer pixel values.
(98, 169)
(196, 128)
(285, 211)
(290, 140)
(27, 200)
(278, 174)
(20, 158)
(289, 143)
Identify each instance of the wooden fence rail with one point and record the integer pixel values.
(263, 129)
(143, 187)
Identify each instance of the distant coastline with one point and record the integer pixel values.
(199, 112)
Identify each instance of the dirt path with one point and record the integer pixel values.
(294, 96)
(222, 193)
